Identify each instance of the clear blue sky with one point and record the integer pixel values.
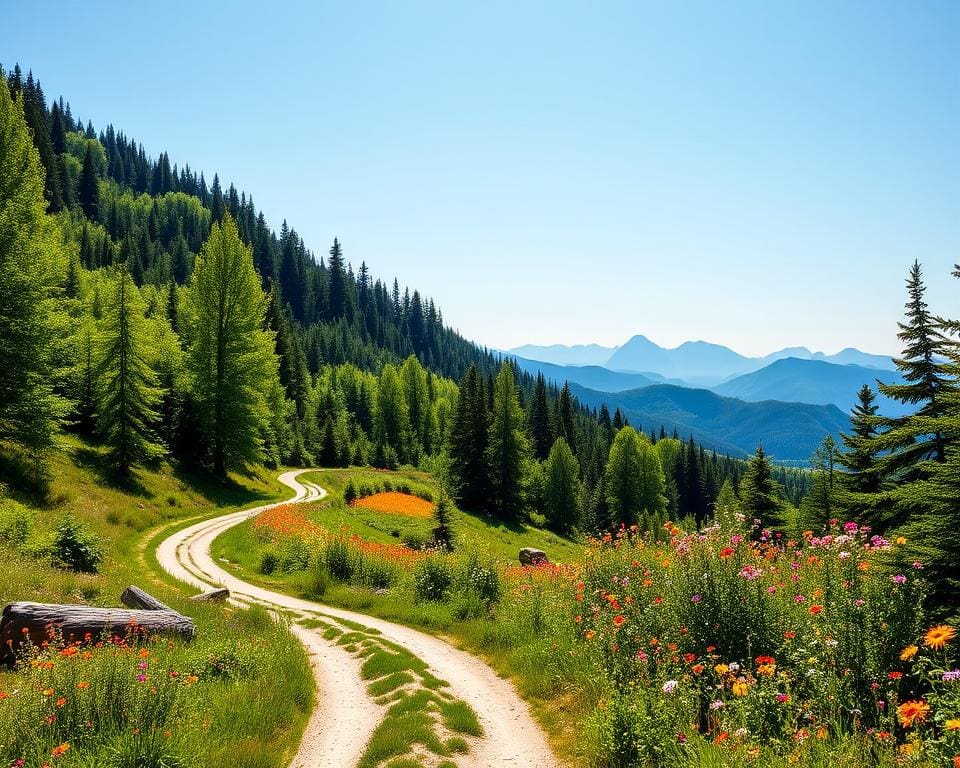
(755, 174)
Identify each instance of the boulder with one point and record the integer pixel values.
(531, 556)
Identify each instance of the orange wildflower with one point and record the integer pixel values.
(61, 749)
(937, 637)
(908, 653)
(912, 712)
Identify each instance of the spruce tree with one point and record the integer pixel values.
(860, 457)
(468, 444)
(127, 390)
(230, 360)
(540, 431)
(31, 265)
(507, 446)
(88, 188)
(562, 488)
(906, 442)
(820, 505)
(760, 498)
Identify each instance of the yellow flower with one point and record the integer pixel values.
(721, 669)
(740, 688)
(953, 724)
(766, 670)
(908, 653)
(939, 636)
(901, 540)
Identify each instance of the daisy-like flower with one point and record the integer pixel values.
(908, 653)
(937, 637)
(913, 712)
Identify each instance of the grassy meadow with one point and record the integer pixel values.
(238, 694)
(723, 647)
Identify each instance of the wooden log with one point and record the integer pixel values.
(213, 596)
(40, 622)
(134, 597)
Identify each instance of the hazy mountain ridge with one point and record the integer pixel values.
(788, 431)
(698, 363)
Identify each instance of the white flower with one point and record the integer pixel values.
(670, 686)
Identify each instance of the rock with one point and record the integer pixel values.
(531, 556)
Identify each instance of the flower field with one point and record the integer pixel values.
(396, 503)
(727, 646)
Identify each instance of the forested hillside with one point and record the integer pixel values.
(174, 322)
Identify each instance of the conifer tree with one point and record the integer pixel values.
(562, 488)
(468, 444)
(230, 360)
(127, 390)
(819, 506)
(906, 443)
(760, 498)
(860, 457)
(31, 265)
(540, 432)
(635, 484)
(88, 188)
(507, 447)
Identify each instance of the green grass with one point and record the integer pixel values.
(247, 710)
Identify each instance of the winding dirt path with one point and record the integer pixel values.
(345, 717)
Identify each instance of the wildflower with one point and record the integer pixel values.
(191, 679)
(816, 609)
(727, 552)
(901, 540)
(83, 685)
(911, 712)
(618, 620)
(766, 670)
(695, 599)
(741, 688)
(937, 637)
(894, 675)
(750, 573)
(952, 676)
(60, 750)
(698, 669)
(717, 704)
(721, 669)
(681, 738)
(908, 653)
(783, 698)
(789, 635)
(590, 634)
(144, 652)
(670, 686)
(953, 724)
(898, 579)
(60, 702)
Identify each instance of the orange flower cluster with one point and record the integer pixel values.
(286, 520)
(388, 551)
(394, 503)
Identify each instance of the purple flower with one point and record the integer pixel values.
(850, 527)
(670, 686)
(717, 704)
(141, 678)
(899, 579)
(695, 599)
(681, 738)
(951, 677)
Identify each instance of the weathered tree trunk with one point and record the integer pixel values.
(213, 596)
(40, 623)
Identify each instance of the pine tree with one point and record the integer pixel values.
(231, 359)
(760, 498)
(31, 265)
(337, 300)
(819, 506)
(562, 488)
(860, 457)
(88, 188)
(906, 442)
(635, 484)
(507, 448)
(468, 444)
(540, 432)
(127, 390)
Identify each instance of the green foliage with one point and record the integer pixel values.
(507, 446)
(31, 265)
(562, 488)
(230, 358)
(760, 498)
(635, 483)
(432, 578)
(75, 547)
(127, 394)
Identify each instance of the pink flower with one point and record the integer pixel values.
(899, 579)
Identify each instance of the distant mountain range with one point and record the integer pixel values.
(695, 362)
(812, 381)
(789, 399)
(788, 431)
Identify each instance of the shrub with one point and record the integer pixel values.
(432, 578)
(318, 579)
(414, 540)
(269, 561)
(15, 523)
(336, 556)
(75, 547)
(482, 579)
(350, 492)
(294, 554)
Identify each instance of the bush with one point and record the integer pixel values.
(318, 580)
(337, 559)
(75, 547)
(269, 561)
(15, 523)
(350, 492)
(432, 578)
(483, 580)
(294, 555)
(414, 540)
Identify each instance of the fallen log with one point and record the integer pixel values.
(213, 596)
(134, 597)
(39, 623)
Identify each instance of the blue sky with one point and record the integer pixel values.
(754, 174)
